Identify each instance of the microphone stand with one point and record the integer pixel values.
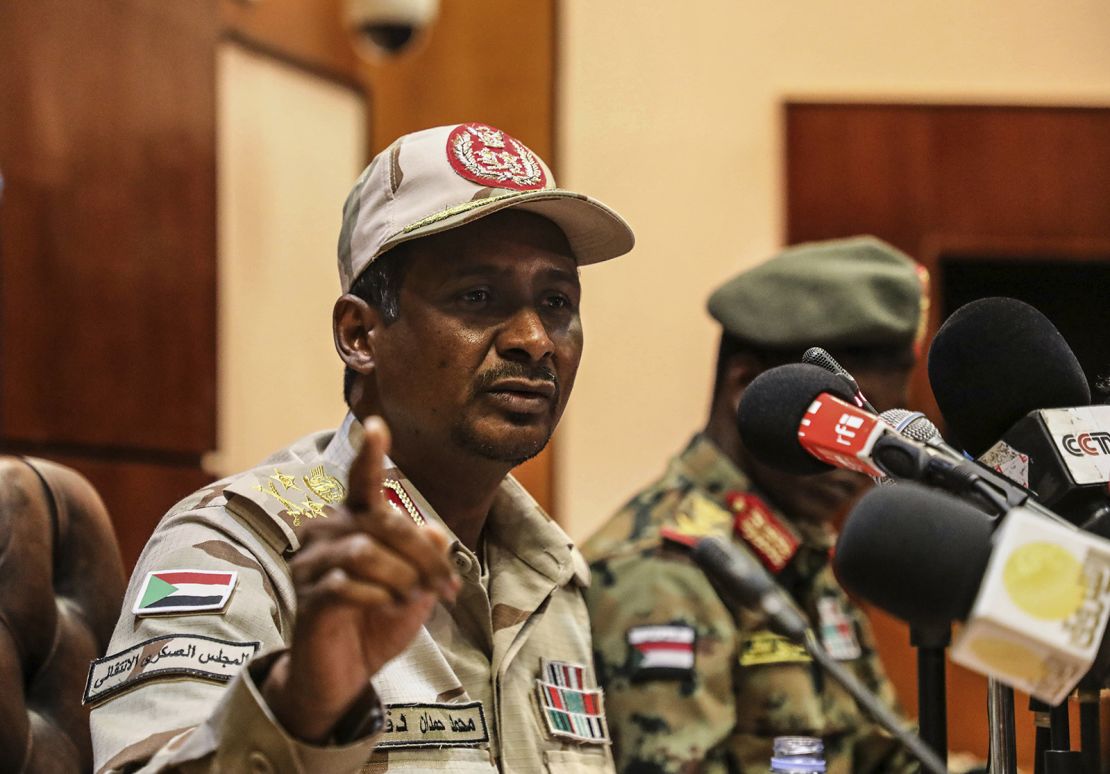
(930, 761)
(1053, 740)
(932, 707)
(743, 583)
(1089, 725)
(1000, 721)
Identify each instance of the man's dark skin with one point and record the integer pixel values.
(470, 381)
(812, 499)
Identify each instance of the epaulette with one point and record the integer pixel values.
(276, 499)
(697, 517)
(754, 522)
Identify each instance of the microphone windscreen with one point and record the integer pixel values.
(915, 552)
(742, 576)
(772, 408)
(995, 360)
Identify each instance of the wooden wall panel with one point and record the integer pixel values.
(107, 246)
(955, 184)
(108, 224)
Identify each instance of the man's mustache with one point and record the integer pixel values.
(515, 371)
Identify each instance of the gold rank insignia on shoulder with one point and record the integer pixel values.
(765, 647)
(697, 517)
(323, 489)
(756, 525)
(324, 485)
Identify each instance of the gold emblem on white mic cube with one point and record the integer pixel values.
(1042, 607)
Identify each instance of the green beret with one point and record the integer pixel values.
(857, 292)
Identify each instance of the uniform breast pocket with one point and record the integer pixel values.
(588, 760)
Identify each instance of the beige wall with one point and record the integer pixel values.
(289, 147)
(671, 112)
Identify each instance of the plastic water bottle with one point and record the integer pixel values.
(798, 755)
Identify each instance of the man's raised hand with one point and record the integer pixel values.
(366, 580)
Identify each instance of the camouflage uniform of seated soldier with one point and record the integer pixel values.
(690, 687)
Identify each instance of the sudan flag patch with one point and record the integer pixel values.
(184, 591)
(662, 652)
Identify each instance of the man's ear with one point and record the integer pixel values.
(353, 323)
(739, 372)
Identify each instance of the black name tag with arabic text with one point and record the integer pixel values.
(173, 655)
(434, 725)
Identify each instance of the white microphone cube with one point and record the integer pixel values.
(1042, 608)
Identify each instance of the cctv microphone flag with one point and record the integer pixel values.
(1062, 454)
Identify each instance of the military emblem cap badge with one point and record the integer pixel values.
(490, 157)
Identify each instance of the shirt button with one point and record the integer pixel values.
(463, 563)
(260, 764)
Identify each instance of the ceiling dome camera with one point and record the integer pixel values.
(386, 27)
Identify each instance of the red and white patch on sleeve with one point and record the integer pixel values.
(490, 157)
(665, 651)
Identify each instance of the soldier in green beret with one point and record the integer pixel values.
(689, 686)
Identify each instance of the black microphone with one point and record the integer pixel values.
(740, 577)
(822, 359)
(915, 425)
(914, 552)
(1034, 591)
(994, 361)
(798, 418)
(773, 407)
(1014, 394)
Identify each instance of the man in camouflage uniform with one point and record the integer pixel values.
(691, 686)
(336, 609)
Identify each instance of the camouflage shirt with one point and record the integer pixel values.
(689, 685)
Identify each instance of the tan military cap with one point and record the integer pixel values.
(856, 292)
(438, 179)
